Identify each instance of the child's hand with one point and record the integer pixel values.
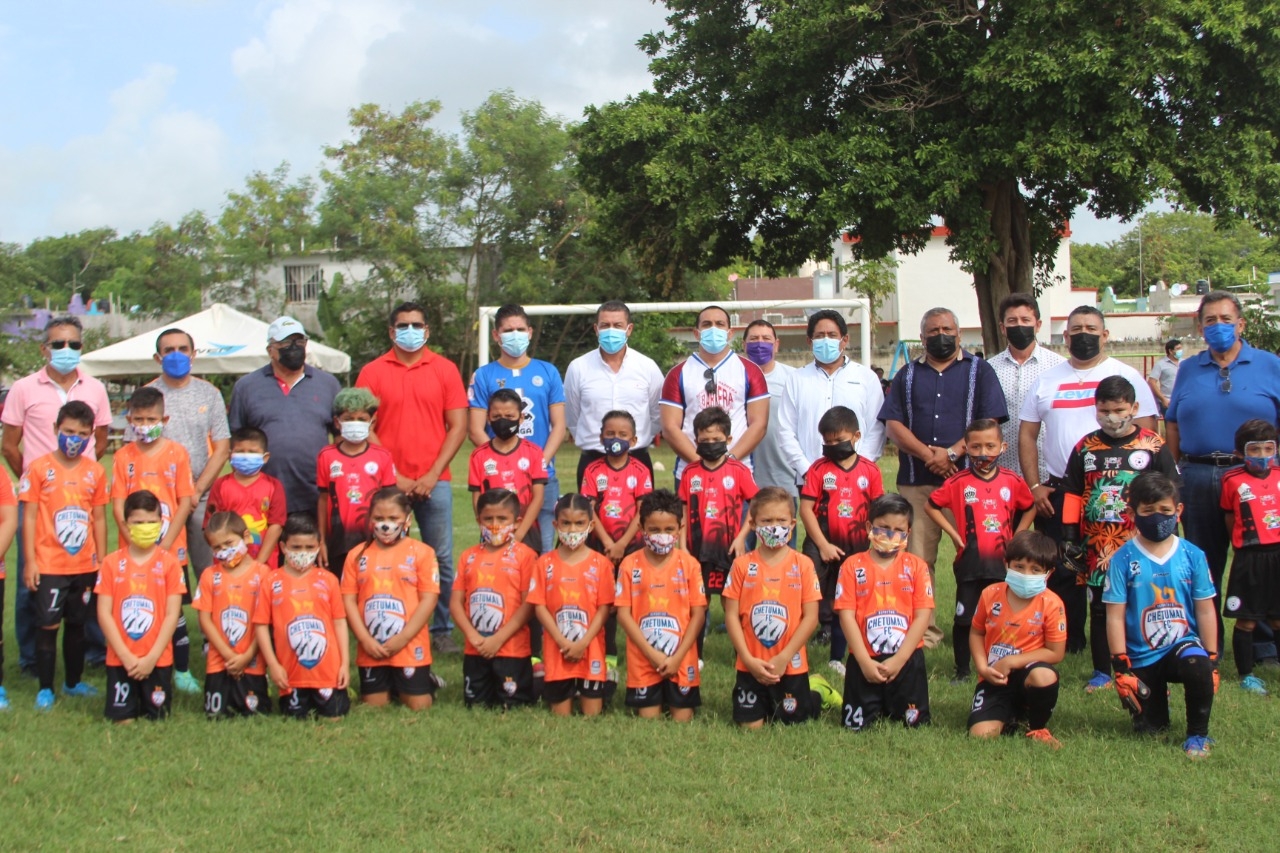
(574, 651)
(891, 667)
(958, 542)
(31, 576)
(871, 672)
(143, 667)
(762, 670)
(991, 675)
(830, 553)
(395, 644)
(323, 560)
(279, 676)
(738, 547)
(344, 677)
(488, 647)
(374, 649)
(667, 667)
(236, 665)
(616, 551)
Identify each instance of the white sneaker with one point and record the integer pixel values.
(836, 667)
(699, 664)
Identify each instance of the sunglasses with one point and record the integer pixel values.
(63, 344)
(710, 376)
(1225, 385)
(400, 327)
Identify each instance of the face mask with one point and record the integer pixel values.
(885, 543)
(301, 559)
(355, 431)
(388, 532)
(940, 346)
(839, 451)
(496, 536)
(612, 340)
(713, 340)
(231, 557)
(1115, 425)
(1220, 336)
(146, 534)
(1156, 527)
(659, 543)
(615, 446)
(825, 350)
(71, 445)
(712, 450)
(176, 364)
(1020, 337)
(1025, 586)
(572, 540)
(1085, 346)
(504, 427)
(247, 464)
(411, 339)
(65, 360)
(1257, 464)
(148, 434)
(1177, 354)
(292, 357)
(980, 463)
(760, 352)
(774, 535)
(514, 344)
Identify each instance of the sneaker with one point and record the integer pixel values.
(443, 644)
(837, 667)
(611, 661)
(1043, 736)
(82, 689)
(44, 700)
(185, 682)
(4, 700)
(1100, 681)
(440, 683)
(961, 678)
(831, 697)
(699, 664)
(1197, 746)
(823, 637)
(539, 668)
(1253, 684)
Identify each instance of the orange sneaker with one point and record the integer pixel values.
(1044, 737)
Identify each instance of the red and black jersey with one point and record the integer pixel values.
(516, 470)
(616, 492)
(1255, 503)
(715, 499)
(842, 499)
(985, 512)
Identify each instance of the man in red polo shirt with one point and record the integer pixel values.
(422, 420)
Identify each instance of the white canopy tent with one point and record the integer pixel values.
(227, 341)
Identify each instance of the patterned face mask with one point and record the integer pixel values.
(774, 535)
(573, 539)
(496, 536)
(659, 543)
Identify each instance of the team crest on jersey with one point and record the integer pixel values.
(1139, 459)
(335, 468)
(137, 615)
(1090, 463)
(729, 482)
(537, 382)
(307, 640)
(572, 622)
(613, 509)
(523, 464)
(662, 631)
(1164, 623)
(844, 509)
(695, 483)
(912, 715)
(631, 481)
(1005, 494)
(769, 622)
(490, 468)
(617, 589)
(409, 671)
(371, 468)
(970, 495)
(509, 686)
(596, 667)
(1246, 493)
(1271, 519)
(863, 483)
(71, 525)
(1111, 463)
(828, 482)
(157, 697)
(886, 630)
(384, 616)
(235, 624)
(602, 483)
(326, 693)
(1000, 650)
(486, 611)
(251, 702)
(789, 705)
(635, 576)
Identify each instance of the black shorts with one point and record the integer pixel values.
(788, 702)
(129, 699)
(905, 699)
(400, 680)
(497, 682)
(245, 696)
(1003, 703)
(555, 692)
(1253, 588)
(714, 577)
(62, 598)
(967, 594)
(339, 544)
(302, 702)
(665, 694)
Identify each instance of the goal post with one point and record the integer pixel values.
(858, 304)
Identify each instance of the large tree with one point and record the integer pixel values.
(796, 120)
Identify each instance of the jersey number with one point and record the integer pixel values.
(852, 717)
(978, 699)
(213, 703)
(121, 693)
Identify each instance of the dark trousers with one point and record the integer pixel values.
(1189, 666)
(1062, 581)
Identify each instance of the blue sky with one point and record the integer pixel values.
(128, 112)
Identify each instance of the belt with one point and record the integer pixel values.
(1218, 460)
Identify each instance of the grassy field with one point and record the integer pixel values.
(458, 780)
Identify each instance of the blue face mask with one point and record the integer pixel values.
(1158, 526)
(616, 446)
(65, 360)
(713, 340)
(1220, 336)
(411, 339)
(71, 445)
(247, 464)
(826, 350)
(176, 364)
(1025, 586)
(612, 340)
(1257, 464)
(514, 344)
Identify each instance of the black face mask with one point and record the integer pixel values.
(1020, 337)
(712, 450)
(292, 357)
(940, 346)
(839, 451)
(504, 427)
(1085, 346)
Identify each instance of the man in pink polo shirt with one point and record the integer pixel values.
(29, 413)
(422, 420)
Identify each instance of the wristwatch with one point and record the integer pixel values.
(952, 455)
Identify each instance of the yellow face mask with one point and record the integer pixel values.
(145, 534)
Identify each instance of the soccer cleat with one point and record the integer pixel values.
(185, 682)
(1100, 681)
(837, 667)
(539, 668)
(960, 678)
(1197, 746)
(84, 688)
(1043, 736)
(4, 700)
(1253, 684)
(440, 683)
(444, 644)
(44, 700)
(611, 661)
(831, 697)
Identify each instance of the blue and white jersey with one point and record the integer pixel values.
(538, 384)
(1159, 595)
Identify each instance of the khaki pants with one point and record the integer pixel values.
(925, 536)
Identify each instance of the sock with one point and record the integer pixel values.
(535, 638)
(702, 640)
(1040, 704)
(611, 635)
(839, 646)
(46, 656)
(960, 639)
(73, 643)
(181, 646)
(1196, 673)
(1098, 635)
(1242, 648)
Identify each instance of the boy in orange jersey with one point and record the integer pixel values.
(662, 606)
(140, 590)
(235, 682)
(1019, 632)
(301, 606)
(256, 497)
(64, 528)
(161, 466)
(489, 604)
(883, 598)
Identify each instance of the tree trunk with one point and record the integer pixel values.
(1010, 267)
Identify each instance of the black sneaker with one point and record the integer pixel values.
(443, 644)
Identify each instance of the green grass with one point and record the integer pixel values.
(453, 779)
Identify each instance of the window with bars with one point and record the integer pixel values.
(302, 282)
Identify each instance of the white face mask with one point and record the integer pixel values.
(355, 431)
(573, 539)
(387, 532)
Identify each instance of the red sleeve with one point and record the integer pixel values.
(672, 389)
(747, 484)
(875, 481)
(388, 469)
(1022, 498)
(322, 469)
(455, 394)
(644, 481)
(757, 387)
(1228, 502)
(475, 470)
(683, 492)
(277, 511)
(537, 465)
(941, 496)
(589, 490)
(812, 488)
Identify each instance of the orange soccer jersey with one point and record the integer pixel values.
(770, 600)
(231, 599)
(661, 602)
(7, 498)
(574, 594)
(389, 583)
(884, 600)
(65, 499)
(139, 595)
(1009, 632)
(166, 473)
(302, 612)
(494, 585)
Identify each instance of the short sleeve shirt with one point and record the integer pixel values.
(768, 463)
(1159, 596)
(1206, 415)
(842, 499)
(350, 482)
(389, 583)
(661, 599)
(516, 471)
(413, 400)
(65, 499)
(1164, 371)
(715, 499)
(139, 598)
(303, 612)
(197, 417)
(166, 473)
(1017, 380)
(616, 492)
(771, 598)
(573, 594)
(260, 503)
(738, 382)
(495, 583)
(539, 386)
(884, 600)
(230, 597)
(1255, 504)
(1008, 632)
(985, 512)
(33, 403)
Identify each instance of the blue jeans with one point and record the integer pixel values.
(1202, 521)
(434, 516)
(547, 517)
